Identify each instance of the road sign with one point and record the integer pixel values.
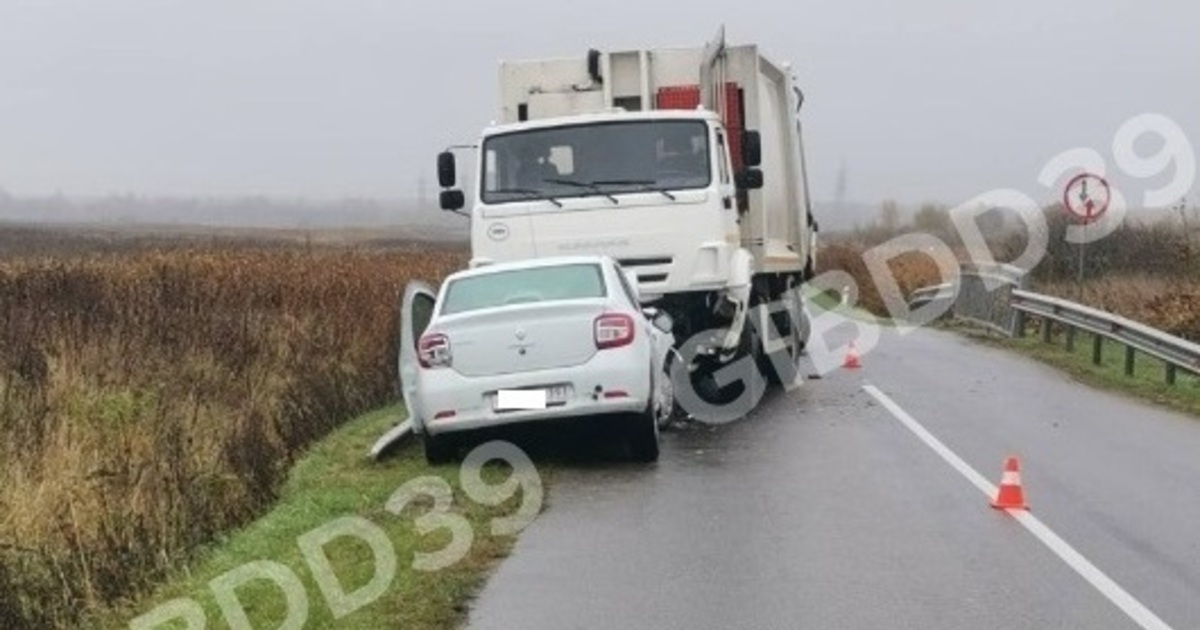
(1087, 196)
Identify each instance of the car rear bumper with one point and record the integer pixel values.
(604, 385)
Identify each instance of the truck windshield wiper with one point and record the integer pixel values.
(578, 184)
(645, 185)
(529, 194)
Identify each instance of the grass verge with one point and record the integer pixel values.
(1148, 381)
(332, 481)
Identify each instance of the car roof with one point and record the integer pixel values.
(531, 263)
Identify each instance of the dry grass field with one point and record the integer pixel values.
(1167, 301)
(153, 398)
(1170, 303)
(911, 271)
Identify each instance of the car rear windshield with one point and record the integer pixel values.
(520, 286)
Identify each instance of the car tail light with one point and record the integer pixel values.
(613, 330)
(433, 351)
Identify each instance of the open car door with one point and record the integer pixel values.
(416, 311)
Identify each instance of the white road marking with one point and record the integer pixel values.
(1101, 582)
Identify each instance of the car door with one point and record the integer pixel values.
(416, 311)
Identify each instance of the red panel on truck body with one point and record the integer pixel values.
(688, 97)
(678, 97)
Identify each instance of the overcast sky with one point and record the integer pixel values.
(921, 100)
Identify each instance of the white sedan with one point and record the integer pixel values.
(533, 341)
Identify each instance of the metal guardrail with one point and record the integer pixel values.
(1176, 352)
(979, 295)
(995, 299)
(938, 293)
(984, 296)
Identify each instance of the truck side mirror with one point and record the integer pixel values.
(446, 170)
(750, 179)
(751, 148)
(452, 200)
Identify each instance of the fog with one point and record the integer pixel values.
(924, 100)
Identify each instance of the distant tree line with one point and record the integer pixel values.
(250, 211)
(1161, 243)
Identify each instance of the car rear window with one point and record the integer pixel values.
(522, 286)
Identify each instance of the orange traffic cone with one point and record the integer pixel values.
(1010, 496)
(851, 362)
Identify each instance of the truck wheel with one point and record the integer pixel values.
(788, 358)
(704, 383)
(803, 331)
(796, 328)
(439, 449)
(642, 437)
(666, 404)
(704, 379)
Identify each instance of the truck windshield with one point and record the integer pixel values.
(599, 159)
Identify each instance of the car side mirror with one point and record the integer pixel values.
(751, 148)
(452, 200)
(750, 179)
(446, 170)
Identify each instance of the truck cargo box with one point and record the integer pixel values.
(747, 90)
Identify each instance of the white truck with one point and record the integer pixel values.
(686, 165)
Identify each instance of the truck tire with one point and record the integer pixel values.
(796, 327)
(704, 382)
(704, 379)
(789, 357)
(667, 407)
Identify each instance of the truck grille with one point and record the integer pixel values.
(649, 269)
(645, 262)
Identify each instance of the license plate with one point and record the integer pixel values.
(527, 399)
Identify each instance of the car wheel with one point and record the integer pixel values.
(439, 449)
(642, 436)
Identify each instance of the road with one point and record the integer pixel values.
(823, 510)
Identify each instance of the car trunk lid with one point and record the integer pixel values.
(523, 338)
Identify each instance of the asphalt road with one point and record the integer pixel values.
(823, 510)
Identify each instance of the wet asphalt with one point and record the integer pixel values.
(821, 510)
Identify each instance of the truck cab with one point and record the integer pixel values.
(655, 190)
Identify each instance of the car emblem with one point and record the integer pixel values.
(520, 334)
(497, 231)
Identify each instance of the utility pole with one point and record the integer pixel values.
(840, 188)
(1189, 238)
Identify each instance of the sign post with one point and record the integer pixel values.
(1086, 197)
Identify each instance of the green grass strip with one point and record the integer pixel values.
(336, 480)
(1148, 381)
